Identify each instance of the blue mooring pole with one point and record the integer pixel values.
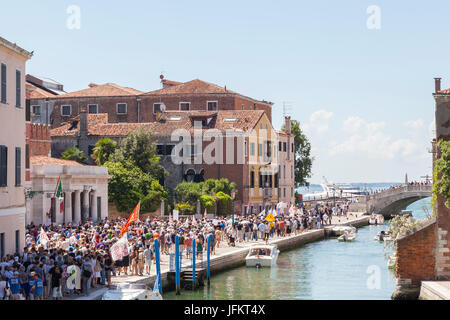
(207, 257)
(177, 265)
(158, 267)
(193, 264)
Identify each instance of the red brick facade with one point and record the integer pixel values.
(39, 140)
(105, 105)
(416, 255)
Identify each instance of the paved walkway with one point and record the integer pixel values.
(222, 249)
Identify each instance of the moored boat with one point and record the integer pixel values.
(131, 291)
(262, 256)
(347, 236)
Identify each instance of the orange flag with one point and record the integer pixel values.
(133, 217)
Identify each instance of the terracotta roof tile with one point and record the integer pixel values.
(42, 160)
(446, 91)
(194, 86)
(104, 90)
(170, 121)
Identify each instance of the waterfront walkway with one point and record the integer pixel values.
(226, 255)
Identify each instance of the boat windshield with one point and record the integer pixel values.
(260, 252)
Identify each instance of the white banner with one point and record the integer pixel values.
(175, 215)
(120, 248)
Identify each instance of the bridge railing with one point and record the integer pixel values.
(397, 190)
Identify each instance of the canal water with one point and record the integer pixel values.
(326, 269)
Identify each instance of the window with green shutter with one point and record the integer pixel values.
(3, 83)
(18, 84)
(27, 110)
(18, 168)
(3, 166)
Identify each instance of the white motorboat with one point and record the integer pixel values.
(347, 236)
(131, 291)
(262, 256)
(340, 230)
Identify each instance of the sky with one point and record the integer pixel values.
(359, 78)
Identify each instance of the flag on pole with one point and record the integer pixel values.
(58, 192)
(133, 217)
(270, 217)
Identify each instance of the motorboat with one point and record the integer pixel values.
(340, 230)
(131, 291)
(380, 219)
(262, 256)
(347, 236)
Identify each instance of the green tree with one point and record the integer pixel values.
(75, 154)
(185, 208)
(188, 192)
(223, 203)
(140, 148)
(128, 184)
(303, 159)
(442, 173)
(154, 197)
(104, 148)
(207, 202)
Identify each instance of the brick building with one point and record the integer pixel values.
(122, 104)
(247, 149)
(425, 254)
(129, 105)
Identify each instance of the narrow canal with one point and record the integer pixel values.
(326, 269)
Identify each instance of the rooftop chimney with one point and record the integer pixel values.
(83, 121)
(437, 84)
(287, 125)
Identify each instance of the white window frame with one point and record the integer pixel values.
(32, 109)
(62, 108)
(117, 108)
(92, 104)
(179, 105)
(217, 105)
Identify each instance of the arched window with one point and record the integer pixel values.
(190, 175)
(200, 177)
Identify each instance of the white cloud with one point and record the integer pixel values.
(368, 139)
(414, 124)
(318, 122)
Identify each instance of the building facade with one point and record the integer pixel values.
(12, 146)
(127, 105)
(85, 192)
(241, 146)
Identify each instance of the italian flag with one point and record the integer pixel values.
(59, 194)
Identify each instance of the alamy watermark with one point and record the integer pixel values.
(374, 279)
(374, 20)
(74, 19)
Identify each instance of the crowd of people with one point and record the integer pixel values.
(68, 260)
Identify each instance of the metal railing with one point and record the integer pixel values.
(397, 190)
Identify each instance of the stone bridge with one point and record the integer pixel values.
(391, 201)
